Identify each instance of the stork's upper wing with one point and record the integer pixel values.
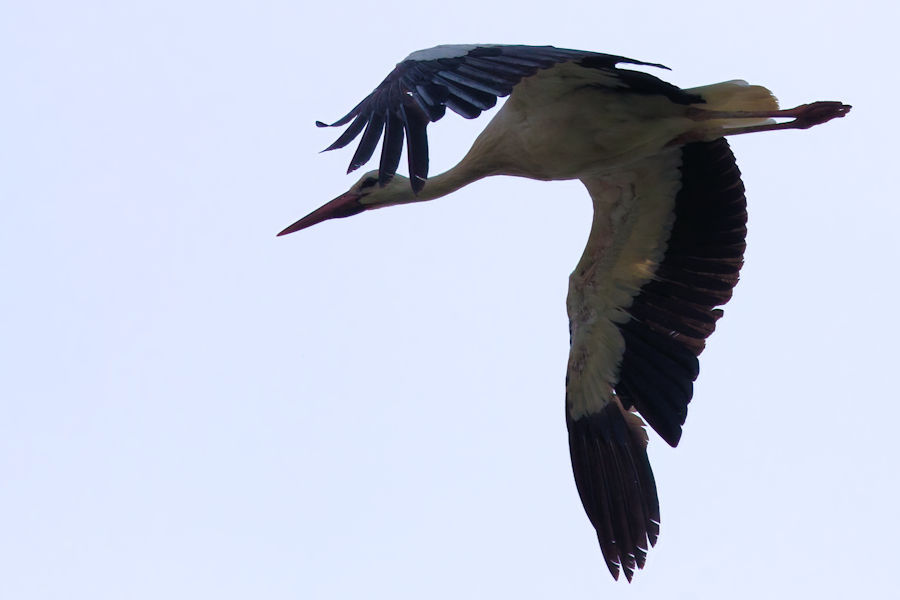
(467, 79)
(665, 249)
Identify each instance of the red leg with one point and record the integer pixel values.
(804, 117)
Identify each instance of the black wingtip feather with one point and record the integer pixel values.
(391, 148)
(415, 124)
(370, 137)
(349, 134)
(468, 84)
(616, 486)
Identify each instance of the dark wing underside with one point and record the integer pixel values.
(467, 80)
(674, 314)
(643, 352)
(616, 485)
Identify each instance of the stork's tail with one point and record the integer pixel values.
(736, 96)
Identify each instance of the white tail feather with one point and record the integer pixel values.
(736, 95)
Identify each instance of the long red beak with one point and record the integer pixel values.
(345, 205)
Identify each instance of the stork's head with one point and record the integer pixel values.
(365, 194)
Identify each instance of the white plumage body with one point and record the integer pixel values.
(567, 122)
(563, 124)
(666, 243)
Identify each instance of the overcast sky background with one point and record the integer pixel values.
(192, 408)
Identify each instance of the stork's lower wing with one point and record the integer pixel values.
(666, 245)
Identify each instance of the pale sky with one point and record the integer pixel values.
(192, 408)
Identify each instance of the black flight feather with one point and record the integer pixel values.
(673, 314)
(616, 486)
(467, 84)
(368, 143)
(392, 147)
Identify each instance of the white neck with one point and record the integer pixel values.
(449, 181)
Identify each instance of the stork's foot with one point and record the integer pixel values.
(810, 115)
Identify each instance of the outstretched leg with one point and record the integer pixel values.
(802, 117)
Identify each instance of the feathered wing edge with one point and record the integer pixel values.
(417, 92)
(673, 314)
(670, 318)
(616, 485)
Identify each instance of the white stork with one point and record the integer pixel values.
(666, 243)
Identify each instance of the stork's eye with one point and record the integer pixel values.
(368, 182)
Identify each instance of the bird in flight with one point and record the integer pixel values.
(666, 243)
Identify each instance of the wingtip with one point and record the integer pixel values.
(616, 486)
(631, 61)
(672, 438)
